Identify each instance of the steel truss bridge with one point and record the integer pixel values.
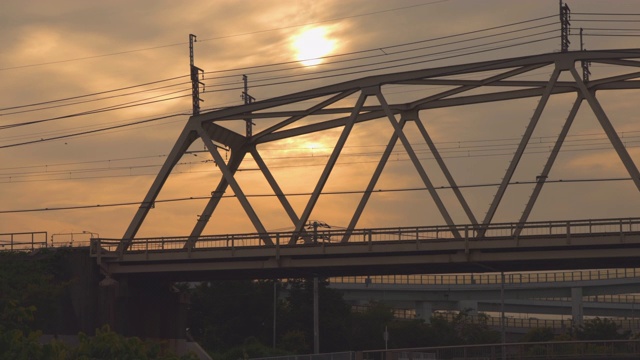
(478, 245)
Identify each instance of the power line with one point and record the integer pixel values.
(94, 100)
(345, 192)
(90, 131)
(377, 49)
(457, 153)
(279, 83)
(92, 94)
(214, 38)
(100, 110)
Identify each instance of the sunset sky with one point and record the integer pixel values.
(127, 62)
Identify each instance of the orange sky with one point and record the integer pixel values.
(66, 49)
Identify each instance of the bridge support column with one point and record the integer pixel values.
(577, 311)
(424, 311)
(153, 309)
(470, 306)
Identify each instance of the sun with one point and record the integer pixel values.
(312, 44)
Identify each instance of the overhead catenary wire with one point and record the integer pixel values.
(278, 83)
(66, 136)
(92, 94)
(455, 152)
(216, 38)
(344, 192)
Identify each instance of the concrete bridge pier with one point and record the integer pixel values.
(424, 310)
(577, 310)
(470, 306)
(150, 309)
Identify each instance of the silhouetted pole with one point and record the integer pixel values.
(316, 318)
(502, 324)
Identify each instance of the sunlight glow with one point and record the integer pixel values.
(312, 44)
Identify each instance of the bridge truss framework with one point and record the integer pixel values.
(285, 112)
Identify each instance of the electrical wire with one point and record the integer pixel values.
(89, 131)
(120, 107)
(92, 94)
(94, 100)
(259, 80)
(215, 38)
(345, 192)
(378, 49)
(457, 153)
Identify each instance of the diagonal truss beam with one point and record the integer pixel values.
(274, 186)
(228, 176)
(416, 162)
(445, 171)
(330, 164)
(540, 179)
(186, 138)
(308, 112)
(608, 129)
(372, 183)
(520, 151)
(233, 165)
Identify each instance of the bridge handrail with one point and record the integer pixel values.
(12, 242)
(565, 228)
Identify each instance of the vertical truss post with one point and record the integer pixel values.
(417, 165)
(608, 129)
(330, 164)
(228, 175)
(520, 150)
(445, 170)
(540, 179)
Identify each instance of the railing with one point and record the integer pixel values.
(485, 279)
(557, 324)
(347, 355)
(23, 241)
(420, 234)
(628, 349)
(510, 322)
(605, 349)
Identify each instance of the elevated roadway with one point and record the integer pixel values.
(602, 293)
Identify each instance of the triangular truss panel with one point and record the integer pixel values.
(342, 107)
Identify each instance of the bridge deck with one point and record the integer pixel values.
(555, 245)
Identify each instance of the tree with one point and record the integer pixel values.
(368, 326)
(30, 284)
(539, 335)
(334, 314)
(223, 314)
(600, 329)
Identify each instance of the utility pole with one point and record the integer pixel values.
(565, 16)
(316, 317)
(195, 82)
(503, 332)
(248, 99)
